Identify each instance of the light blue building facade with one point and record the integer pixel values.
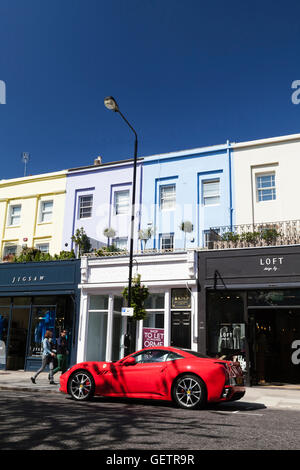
(193, 187)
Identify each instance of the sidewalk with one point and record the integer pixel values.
(19, 380)
(279, 397)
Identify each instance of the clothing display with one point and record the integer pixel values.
(231, 336)
(46, 322)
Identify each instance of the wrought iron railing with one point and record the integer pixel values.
(255, 235)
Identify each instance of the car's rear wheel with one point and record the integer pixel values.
(189, 392)
(81, 385)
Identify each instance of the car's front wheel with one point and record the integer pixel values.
(189, 392)
(81, 385)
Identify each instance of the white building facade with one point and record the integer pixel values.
(266, 180)
(172, 306)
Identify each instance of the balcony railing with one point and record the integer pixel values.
(255, 235)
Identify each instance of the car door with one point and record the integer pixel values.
(146, 377)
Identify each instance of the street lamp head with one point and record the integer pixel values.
(110, 103)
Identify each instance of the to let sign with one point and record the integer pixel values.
(153, 337)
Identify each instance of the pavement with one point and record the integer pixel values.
(282, 396)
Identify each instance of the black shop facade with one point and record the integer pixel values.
(249, 310)
(35, 297)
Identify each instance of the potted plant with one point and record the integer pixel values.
(109, 232)
(145, 235)
(82, 241)
(186, 227)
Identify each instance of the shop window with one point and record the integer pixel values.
(98, 302)
(154, 323)
(4, 321)
(154, 320)
(268, 298)
(96, 340)
(21, 300)
(43, 319)
(155, 301)
(225, 325)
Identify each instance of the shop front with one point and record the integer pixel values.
(35, 297)
(249, 309)
(171, 307)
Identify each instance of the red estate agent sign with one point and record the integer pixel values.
(153, 337)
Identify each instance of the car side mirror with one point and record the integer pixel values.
(130, 361)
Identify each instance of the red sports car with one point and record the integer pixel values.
(186, 377)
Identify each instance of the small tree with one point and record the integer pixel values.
(186, 227)
(82, 241)
(109, 232)
(145, 235)
(139, 294)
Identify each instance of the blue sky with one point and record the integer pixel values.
(185, 73)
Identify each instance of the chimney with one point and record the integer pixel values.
(98, 160)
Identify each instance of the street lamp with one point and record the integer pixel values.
(111, 104)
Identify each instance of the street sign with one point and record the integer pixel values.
(127, 312)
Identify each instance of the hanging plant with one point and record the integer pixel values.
(139, 294)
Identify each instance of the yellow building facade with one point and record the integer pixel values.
(32, 213)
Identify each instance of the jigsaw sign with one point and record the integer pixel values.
(2, 92)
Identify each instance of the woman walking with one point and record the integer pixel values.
(47, 358)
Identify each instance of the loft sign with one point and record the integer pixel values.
(25, 279)
(272, 263)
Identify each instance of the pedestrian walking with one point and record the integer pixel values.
(62, 353)
(47, 358)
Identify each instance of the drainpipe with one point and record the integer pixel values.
(230, 184)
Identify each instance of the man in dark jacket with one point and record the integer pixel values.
(61, 353)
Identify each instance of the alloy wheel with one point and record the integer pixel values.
(81, 386)
(188, 392)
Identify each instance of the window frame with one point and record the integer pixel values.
(11, 216)
(217, 194)
(163, 201)
(8, 246)
(117, 239)
(44, 212)
(117, 204)
(80, 207)
(272, 187)
(164, 236)
(39, 244)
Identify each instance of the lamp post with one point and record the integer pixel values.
(111, 104)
